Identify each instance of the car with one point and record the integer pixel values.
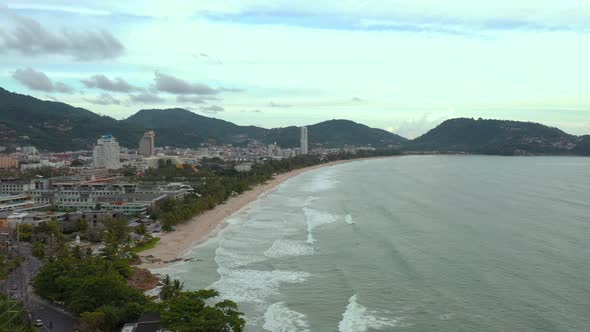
(38, 323)
(14, 287)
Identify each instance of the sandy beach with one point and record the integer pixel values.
(174, 245)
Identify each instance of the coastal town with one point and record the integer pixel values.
(51, 203)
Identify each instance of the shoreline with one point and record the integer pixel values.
(174, 246)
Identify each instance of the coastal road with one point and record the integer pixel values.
(17, 285)
(51, 315)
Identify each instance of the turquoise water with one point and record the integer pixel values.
(420, 243)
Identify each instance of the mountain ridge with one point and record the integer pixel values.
(56, 126)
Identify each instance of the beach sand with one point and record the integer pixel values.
(173, 246)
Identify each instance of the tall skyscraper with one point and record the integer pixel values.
(146, 144)
(304, 142)
(106, 153)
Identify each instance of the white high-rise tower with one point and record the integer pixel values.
(304, 142)
(106, 153)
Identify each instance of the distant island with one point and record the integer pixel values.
(55, 126)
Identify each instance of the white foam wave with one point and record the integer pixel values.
(231, 258)
(322, 182)
(315, 218)
(286, 248)
(254, 286)
(357, 318)
(310, 200)
(279, 318)
(348, 219)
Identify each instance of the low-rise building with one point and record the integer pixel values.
(15, 186)
(243, 167)
(15, 202)
(8, 162)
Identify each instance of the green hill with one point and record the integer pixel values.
(52, 125)
(180, 127)
(495, 137)
(336, 133)
(57, 126)
(583, 146)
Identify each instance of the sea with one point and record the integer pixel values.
(413, 243)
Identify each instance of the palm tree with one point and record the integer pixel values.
(170, 288)
(140, 231)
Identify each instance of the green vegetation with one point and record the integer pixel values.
(13, 316)
(39, 250)
(190, 312)
(583, 146)
(170, 288)
(495, 137)
(57, 126)
(145, 245)
(96, 288)
(8, 264)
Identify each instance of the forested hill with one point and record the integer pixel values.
(52, 125)
(497, 137)
(180, 127)
(337, 133)
(57, 126)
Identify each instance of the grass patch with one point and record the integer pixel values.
(145, 245)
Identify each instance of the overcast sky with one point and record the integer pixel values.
(403, 66)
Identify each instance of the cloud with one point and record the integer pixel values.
(62, 87)
(28, 37)
(104, 83)
(277, 105)
(174, 85)
(212, 109)
(231, 90)
(358, 100)
(104, 99)
(251, 111)
(36, 80)
(419, 16)
(190, 99)
(415, 127)
(146, 98)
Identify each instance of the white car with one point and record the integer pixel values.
(38, 323)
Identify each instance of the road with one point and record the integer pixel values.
(61, 321)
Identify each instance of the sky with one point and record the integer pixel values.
(403, 66)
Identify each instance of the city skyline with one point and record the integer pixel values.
(396, 66)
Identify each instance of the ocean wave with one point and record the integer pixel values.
(231, 258)
(254, 286)
(357, 318)
(314, 219)
(285, 248)
(279, 318)
(322, 182)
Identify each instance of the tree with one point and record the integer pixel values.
(26, 232)
(140, 230)
(170, 288)
(38, 250)
(115, 237)
(13, 310)
(91, 321)
(189, 312)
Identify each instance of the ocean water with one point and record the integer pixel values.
(417, 243)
